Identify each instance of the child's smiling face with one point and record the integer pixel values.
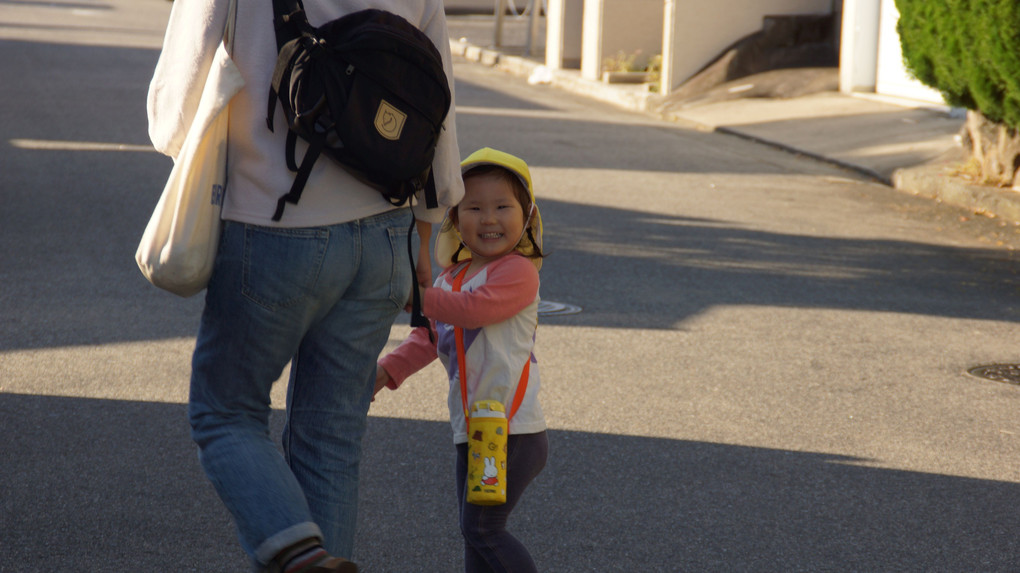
(490, 218)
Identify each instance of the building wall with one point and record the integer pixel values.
(613, 26)
(871, 58)
(891, 75)
(696, 31)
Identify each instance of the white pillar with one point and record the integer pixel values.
(591, 40)
(500, 14)
(666, 74)
(564, 23)
(858, 54)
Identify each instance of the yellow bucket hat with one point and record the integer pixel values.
(448, 241)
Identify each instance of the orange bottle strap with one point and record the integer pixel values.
(458, 334)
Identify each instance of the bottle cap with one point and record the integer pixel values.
(488, 409)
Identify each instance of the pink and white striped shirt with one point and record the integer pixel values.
(498, 310)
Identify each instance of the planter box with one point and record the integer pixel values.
(625, 77)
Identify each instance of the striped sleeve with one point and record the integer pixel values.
(511, 284)
(413, 354)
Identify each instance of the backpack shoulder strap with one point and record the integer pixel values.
(289, 21)
(417, 318)
(285, 59)
(431, 200)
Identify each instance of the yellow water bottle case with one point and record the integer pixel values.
(486, 464)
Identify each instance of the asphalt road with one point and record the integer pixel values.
(768, 372)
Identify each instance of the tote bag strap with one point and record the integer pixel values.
(458, 333)
(228, 31)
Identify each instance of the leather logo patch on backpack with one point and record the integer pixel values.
(389, 121)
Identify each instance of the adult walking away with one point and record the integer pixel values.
(318, 289)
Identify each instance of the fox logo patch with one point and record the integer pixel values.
(389, 121)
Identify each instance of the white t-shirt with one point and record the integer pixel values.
(257, 171)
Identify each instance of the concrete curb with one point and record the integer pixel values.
(934, 181)
(870, 173)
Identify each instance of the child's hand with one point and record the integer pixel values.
(410, 299)
(382, 378)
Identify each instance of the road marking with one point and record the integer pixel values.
(55, 145)
(510, 112)
(546, 308)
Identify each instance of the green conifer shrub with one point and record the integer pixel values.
(967, 49)
(970, 51)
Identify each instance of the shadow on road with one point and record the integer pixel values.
(626, 269)
(665, 269)
(118, 483)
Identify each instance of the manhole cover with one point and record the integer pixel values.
(547, 308)
(1009, 373)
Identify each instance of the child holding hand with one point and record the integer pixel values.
(490, 247)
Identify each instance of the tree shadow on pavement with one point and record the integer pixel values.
(638, 269)
(115, 486)
(624, 268)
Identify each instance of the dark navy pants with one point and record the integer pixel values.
(488, 546)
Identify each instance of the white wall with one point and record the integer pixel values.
(611, 26)
(563, 33)
(892, 77)
(699, 30)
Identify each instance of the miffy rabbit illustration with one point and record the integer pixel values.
(490, 476)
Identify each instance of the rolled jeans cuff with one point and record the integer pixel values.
(274, 545)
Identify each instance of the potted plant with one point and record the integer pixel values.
(624, 68)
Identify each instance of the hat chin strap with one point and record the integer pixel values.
(531, 213)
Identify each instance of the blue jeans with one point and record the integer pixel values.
(488, 546)
(324, 298)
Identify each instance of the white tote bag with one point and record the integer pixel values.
(178, 247)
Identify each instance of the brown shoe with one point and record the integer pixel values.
(334, 565)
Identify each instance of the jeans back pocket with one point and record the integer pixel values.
(282, 266)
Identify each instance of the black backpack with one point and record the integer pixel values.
(367, 90)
